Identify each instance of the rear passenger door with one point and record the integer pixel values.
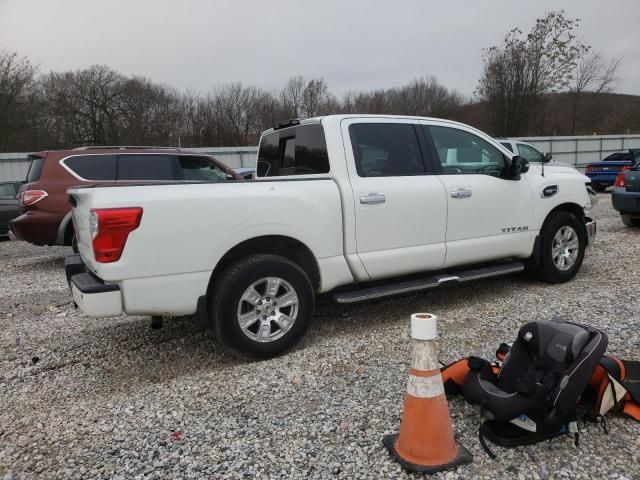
(400, 205)
(489, 216)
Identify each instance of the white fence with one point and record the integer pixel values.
(578, 150)
(583, 150)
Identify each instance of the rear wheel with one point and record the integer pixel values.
(599, 187)
(562, 243)
(630, 221)
(262, 305)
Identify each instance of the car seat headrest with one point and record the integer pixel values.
(559, 341)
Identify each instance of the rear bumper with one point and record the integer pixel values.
(625, 202)
(93, 296)
(36, 227)
(590, 225)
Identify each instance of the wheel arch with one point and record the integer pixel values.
(284, 246)
(65, 230)
(573, 208)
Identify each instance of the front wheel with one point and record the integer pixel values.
(630, 221)
(262, 305)
(562, 242)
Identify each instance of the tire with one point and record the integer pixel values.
(241, 290)
(599, 187)
(630, 221)
(552, 241)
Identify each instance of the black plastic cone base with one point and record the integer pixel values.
(464, 457)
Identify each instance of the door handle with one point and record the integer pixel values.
(372, 199)
(461, 193)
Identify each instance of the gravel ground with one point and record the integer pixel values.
(86, 398)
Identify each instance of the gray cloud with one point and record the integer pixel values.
(356, 44)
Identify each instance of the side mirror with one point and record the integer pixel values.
(546, 158)
(519, 165)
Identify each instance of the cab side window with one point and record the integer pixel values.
(200, 169)
(462, 152)
(386, 149)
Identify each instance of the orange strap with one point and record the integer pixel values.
(632, 409)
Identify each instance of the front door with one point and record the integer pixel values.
(489, 216)
(400, 208)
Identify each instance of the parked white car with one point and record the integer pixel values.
(525, 150)
(375, 205)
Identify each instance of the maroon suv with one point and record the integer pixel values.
(45, 211)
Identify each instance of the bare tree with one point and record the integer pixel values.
(16, 78)
(594, 74)
(87, 106)
(519, 72)
(291, 96)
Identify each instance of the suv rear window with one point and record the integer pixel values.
(146, 167)
(299, 150)
(93, 167)
(35, 169)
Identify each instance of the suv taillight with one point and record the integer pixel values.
(110, 228)
(619, 180)
(30, 197)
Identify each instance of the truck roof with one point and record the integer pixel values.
(339, 117)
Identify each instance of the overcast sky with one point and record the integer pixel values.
(352, 44)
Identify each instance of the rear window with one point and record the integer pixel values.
(618, 157)
(146, 167)
(293, 151)
(507, 145)
(7, 190)
(35, 169)
(201, 169)
(93, 167)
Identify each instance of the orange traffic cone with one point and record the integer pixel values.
(425, 443)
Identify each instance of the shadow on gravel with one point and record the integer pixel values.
(378, 313)
(129, 355)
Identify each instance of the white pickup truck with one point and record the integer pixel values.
(359, 205)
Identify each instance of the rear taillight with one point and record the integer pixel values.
(619, 180)
(30, 197)
(110, 228)
(590, 168)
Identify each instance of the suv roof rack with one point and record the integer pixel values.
(124, 147)
(287, 123)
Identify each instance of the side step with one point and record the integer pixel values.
(439, 280)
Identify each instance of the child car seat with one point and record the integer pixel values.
(534, 394)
